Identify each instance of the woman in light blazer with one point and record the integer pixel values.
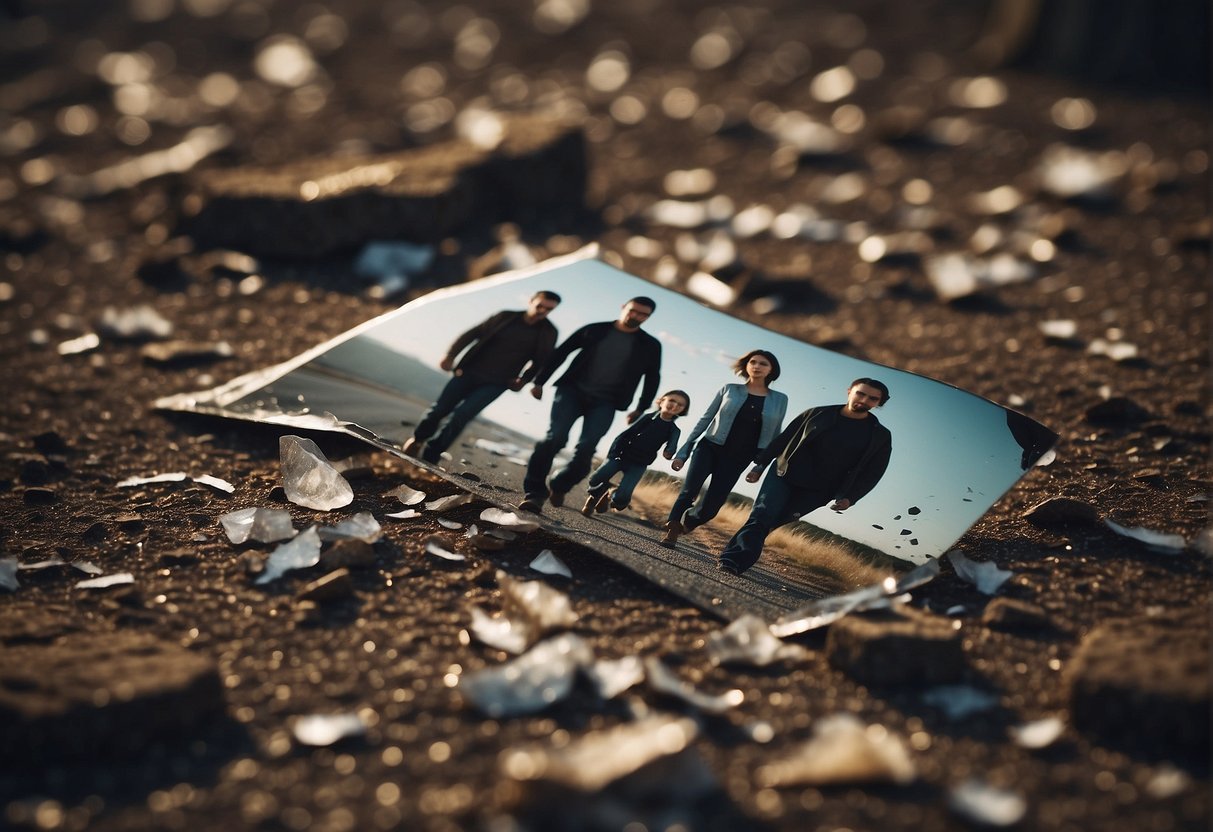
(741, 420)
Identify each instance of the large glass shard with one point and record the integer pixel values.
(531, 682)
(406, 495)
(502, 633)
(300, 553)
(509, 519)
(612, 677)
(309, 479)
(825, 611)
(265, 525)
(543, 608)
(362, 526)
(748, 640)
(843, 750)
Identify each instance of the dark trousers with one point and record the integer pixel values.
(600, 480)
(567, 407)
(777, 503)
(459, 403)
(708, 460)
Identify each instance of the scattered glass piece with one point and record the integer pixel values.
(444, 503)
(547, 563)
(748, 640)
(309, 479)
(663, 680)
(1061, 329)
(166, 352)
(141, 321)
(406, 495)
(319, 730)
(959, 275)
(983, 803)
(216, 483)
(1070, 172)
(1159, 541)
(987, 577)
(511, 519)
(407, 514)
(449, 524)
(842, 750)
(501, 633)
(711, 289)
(543, 608)
(1040, 733)
(1115, 350)
(42, 564)
(434, 546)
(301, 552)
(362, 526)
(506, 449)
(117, 579)
(265, 525)
(8, 574)
(76, 346)
(612, 677)
(822, 612)
(593, 762)
(533, 681)
(131, 482)
(87, 567)
(1168, 781)
(959, 701)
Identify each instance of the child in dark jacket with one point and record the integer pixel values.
(633, 450)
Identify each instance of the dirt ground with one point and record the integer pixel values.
(170, 702)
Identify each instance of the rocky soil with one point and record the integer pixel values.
(223, 162)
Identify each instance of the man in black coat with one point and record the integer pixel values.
(612, 358)
(503, 352)
(836, 452)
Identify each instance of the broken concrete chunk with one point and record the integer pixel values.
(321, 205)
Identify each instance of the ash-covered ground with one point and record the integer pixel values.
(863, 176)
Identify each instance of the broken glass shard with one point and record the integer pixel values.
(960, 701)
(533, 681)
(444, 503)
(8, 574)
(167, 352)
(748, 640)
(842, 750)
(319, 730)
(436, 547)
(407, 514)
(546, 609)
(308, 478)
(922, 574)
(1040, 733)
(131, 482)
(822, 612)
(547, 563)
(117, 579)
(216, 483)
(501, 633)
(507, 449)
(983, 803)
(598, 759)
(265, 525)
(300, 553)
(87, 567)
(611, 677)
(42, 564)
(449, 524)
(987, 577)
(958, 275)
(1074, 173)
(362, 526)
(509, 519)
(1160, 541)
(663, 680)
(141, 321)
(76, 346)
(407, 496)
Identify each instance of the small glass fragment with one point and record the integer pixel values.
(544, 608)
(1071, 173)
(958, 275)
(501, 633)
(511, 519)
(407, 514)
(141, 321)
(42, 564)
(308, 478)
(1040, 733)
(362, 526)
(825, 611)
(959, 701)
(452, 501)
(76, 346)
(320, 730)
(8, 574)
(301, 552)
(1060, 329)
(1168, 781)
(449, 524)
(663, 680)
(500, 448)
(982, 803)
(598, 759)
(131, 482)
(711, 289)
(533, 681)
(547, 563)
(117, 579)
(805, 135)
(1159, 541)
(612, 677)
(1115, 350)
(265, 525)
(748, 640)
(87, 567)
(987, 577)
(406, 495)
(216, 483)
(436, 547)
(842, 750)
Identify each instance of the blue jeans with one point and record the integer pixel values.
(459, 403)
(708, 460)
(600, 480)
(567, 407)
(777, 503)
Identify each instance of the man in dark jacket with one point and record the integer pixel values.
(836, 452)
(612, 357)
(504, 352)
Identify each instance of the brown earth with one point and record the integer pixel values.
(1131, 265)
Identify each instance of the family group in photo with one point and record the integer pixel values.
(831, 454)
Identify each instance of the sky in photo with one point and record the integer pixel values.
(953, 455)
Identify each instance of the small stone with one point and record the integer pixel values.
(1117, 410)
(333, 586)
(35, 472)
(130, 521)
(1013, 614)
(38, 496)
(1062, 511)
(892, 648)
(50, 443)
